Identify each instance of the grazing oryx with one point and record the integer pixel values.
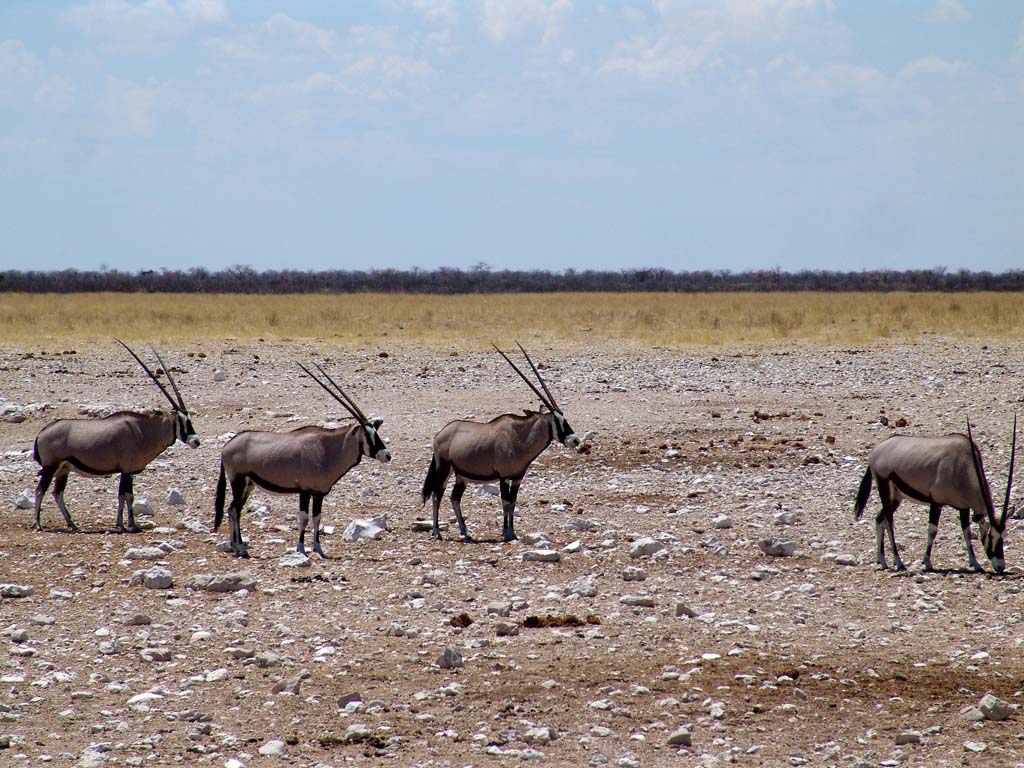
(123, 442)
(307, 461)
(502, 450)
(938, 471)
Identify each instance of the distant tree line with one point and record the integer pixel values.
(483, 279)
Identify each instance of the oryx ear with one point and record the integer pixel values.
(377, 422)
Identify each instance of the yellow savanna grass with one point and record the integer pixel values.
(632, 319)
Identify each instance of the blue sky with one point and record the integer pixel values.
(737, 134)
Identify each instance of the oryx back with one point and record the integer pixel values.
(122, 442)
(930, 470)
(502, 448)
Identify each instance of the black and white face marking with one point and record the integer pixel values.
(564, 432)
(186, 432)
(373, 445)
(992, 540)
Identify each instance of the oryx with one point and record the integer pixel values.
(307, 461)
(501, 449)
(123, 442)
(937, 471)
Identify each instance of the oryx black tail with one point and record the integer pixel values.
(863, 494)
(222, 485)
(435, 480)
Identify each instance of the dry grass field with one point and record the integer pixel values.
(645, 320)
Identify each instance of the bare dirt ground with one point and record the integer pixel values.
(787, 661)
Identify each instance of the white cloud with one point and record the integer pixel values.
(439, 12)
(691, 36)
(504, 18)
(947, 12)
(791, 72)
(126, 109)
(932, 66)
(55, 94)
(278, 38)
(139, 27)
(16, 61)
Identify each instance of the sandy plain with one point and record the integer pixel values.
(786, 661)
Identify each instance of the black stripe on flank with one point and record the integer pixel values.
(908, 491)
(267, 485)
(475, 478)
(83, 467)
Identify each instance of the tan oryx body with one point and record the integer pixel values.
(938, 472)
(307, 461)
(499, 450)
(123, 443)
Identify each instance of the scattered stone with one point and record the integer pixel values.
(845, 559)
(722, 522)
(975, 746)
(584, 525)
(435, 578)
(634, 573)
(680, 738)
(294, 560)
(541, 556)
(275, 748)
(498, 609)
(233, 763)
(573, 547)
(645, 547)
(585, 586)
(144, 553)
(345, 699)
(228, 582)
(156, 654)
(357, 732)
(25, 500)
(682, 609)
(219, 375)
(362, 529)
(174, 498)
(777, 547)
(450, 659)
(16, 590)
(506, 629)
(908, 737)
(535, 538)
(786, 518)
(540, 735)
(267, 659)
(291, 684)
(637, 601)
(993, 708)
(971, 714)
(154, 578)
(143, 508)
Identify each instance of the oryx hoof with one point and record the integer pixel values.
(301, 550)
(900, 567)
(435, 534)
(133, 528)
(37, 527)
(976, 567)
(321, 553)
(926, 568)
(508, 536)
(467, 537)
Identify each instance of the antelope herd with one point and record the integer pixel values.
(308, 461)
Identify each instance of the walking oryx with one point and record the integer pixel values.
(123, 442)
(938, 471)
(502, 450)
(307, 461)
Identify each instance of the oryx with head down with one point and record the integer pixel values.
(937, 471)
(307, 461)
(501, 449)
(124, 442)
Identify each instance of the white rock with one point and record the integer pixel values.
(786, 518)
(174, 498)
(363, 529)
(573, 547)
(17, 590)
(633, 573)
(142, 508)
(993, 708)
(908, 737)
(541, 556)
(975, 746)
(275, 748)
(585, 586)
(682, 609)
(233, 763)
(680, 738)
(294, 560)
(645, 547)
(153, 578)
(488, 489)
(845, 559)
(435, 578)
(637, 601)
(216, 675)
(25, 500)
(722, 522)
(144, 553)
(777, 548)
(219, 375)
(156, 654)
(535, 538)
(450, 659)
(539, 735)
(146, 697)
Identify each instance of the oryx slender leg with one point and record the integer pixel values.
(303, 519)
(459, 488)
(45, 478)
(965, 528)
(884, 524)
(318, 505)
(126, 498)
(59, 484)
(933, 528)
(440, 481)
(509, 492)
(241, 487)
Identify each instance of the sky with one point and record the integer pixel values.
(520, 134)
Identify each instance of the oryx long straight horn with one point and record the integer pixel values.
(307, 461)
(501, 449)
